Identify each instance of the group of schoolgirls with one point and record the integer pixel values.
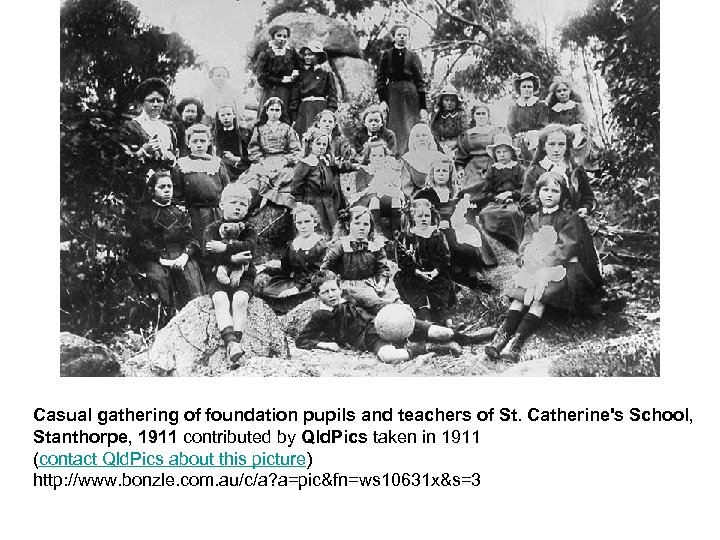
(436, 231)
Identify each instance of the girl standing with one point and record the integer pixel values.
(277, 67)
(472, 152)
(315, 181)
(422, 152)
(164, 247)
(290, 281)
(358, 259)
(314, 90)
(449, 120)
(199, 179)
(565, 107)
(274, 149)
(423, 256)
(342, 151)
(559, 268)
(527, 116)
(498, 198)
(554, 153)
(231, 141)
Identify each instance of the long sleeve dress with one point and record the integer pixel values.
(234, 140)
(523, 117)
(319, 186)
(139, 130)
(299, 262)
(363, 136)
(503, 220)
(472, 154)
(579, 285)
(270, 68)
(273, 151)
(360, 266)
(578, 184)
(425, 251)
(400, 82)
(572, 113)
(313, 92)
(198, 183)
(446, 127)
(164, 232)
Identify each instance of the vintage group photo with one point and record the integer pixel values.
(306, 188)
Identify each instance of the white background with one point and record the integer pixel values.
(627, 480)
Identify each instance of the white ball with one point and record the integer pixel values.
(395, 322)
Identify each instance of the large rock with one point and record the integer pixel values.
(356, 77)
(336, 37)
(80, 357)
(191, 345)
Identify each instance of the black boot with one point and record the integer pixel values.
(492, 351)
(512, 351)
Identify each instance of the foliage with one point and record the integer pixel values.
(107, 48)
(627, 35)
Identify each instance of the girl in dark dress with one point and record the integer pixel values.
(449, 119)
(470, 251)
(277, 67)
(358, 258)
(373, 130)
(314, 90)
(565, 107)
(289, 284)
(191, 112)
(498, 197)
(423, 256)
(231, 141)
(316, 182)
(164, 248)
(527, 116)
(199, 179)
(559, 267)
(554, 153)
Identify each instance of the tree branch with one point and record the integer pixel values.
(416, 14)
(484, 28)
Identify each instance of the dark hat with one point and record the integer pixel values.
(428, 194)
(148, 86)
(275, 27)
(527, 76)
(316, 47)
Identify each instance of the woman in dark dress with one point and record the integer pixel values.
(277, 67)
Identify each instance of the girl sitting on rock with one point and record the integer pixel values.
(449, 120)
(164, 248)
(554, 153)
(289, 283)
(358, 258)
(423, 256)
(274, 150)
(558, 267)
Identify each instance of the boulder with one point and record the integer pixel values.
(191, 345)
(80, 357)
(356, 77)
(337, 37)
(295, 319)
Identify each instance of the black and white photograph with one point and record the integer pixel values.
(329, 188)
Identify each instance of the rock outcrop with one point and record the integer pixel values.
(190, 344)
(80, 357)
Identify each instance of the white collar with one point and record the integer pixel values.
(427, 233)
(552, 210)
(548, 164)
(144, 117)
(568, 105)
(399, 48)
(199, 165)
(278, 52)
(307, 243)
(228, 128)
(529, 103)
(372, 244)
(500, 166)
(450, 114)
(162, 205)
